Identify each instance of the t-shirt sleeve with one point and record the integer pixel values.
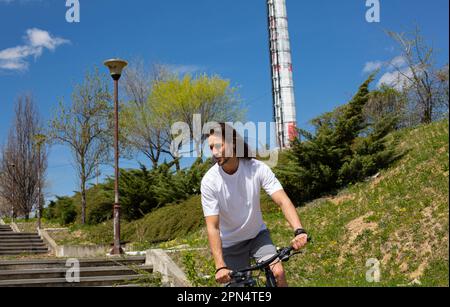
(269, 182)
(210, 203)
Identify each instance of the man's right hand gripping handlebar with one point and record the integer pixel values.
(223, 275)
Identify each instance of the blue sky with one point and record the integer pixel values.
(331, 45)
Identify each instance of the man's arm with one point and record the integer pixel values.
(212, 226)
(289, 211)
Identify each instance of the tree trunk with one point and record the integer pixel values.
(155, 164)
(177, 165)
(83, 203)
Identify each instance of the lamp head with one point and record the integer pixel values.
(115, 67)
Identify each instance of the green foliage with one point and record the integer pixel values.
(142, 191)
(63, 210)
(167, 223)
(147, 120)
(345, 149)
(100, 199)
(199, 271)
(161, 225)
(100, 212)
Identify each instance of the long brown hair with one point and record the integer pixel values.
(236, 139)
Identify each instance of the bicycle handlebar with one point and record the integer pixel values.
(284, 254)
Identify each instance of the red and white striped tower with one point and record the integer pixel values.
(281, 68)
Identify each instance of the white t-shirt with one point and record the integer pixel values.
(236, 199)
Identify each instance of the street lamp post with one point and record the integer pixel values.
(115, 67)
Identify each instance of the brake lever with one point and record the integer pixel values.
(237, 275)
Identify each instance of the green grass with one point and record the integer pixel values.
(399, 218)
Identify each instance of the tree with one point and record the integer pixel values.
(211, 98)
(141, 125)
(383, 102)
(443, 89)
(62, 210)
(84, 126)
(343, 149)
(417, 75)
(19, 183)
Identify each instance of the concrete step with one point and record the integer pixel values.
(84, 272)
(19, 234)
(20, 245)
(22, 252)
(97, 281)
(24, 248)
(61, 263)
(16, 236)
(20, 240)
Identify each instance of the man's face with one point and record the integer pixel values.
(218, 149)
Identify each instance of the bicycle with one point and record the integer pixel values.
(243, 278)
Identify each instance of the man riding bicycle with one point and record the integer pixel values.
(230, 193)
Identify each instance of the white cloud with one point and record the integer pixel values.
(398, 61)
(372, 66)
(396, 72)
(397, 79)
(36, 41)
(41, 38)
(184, 69)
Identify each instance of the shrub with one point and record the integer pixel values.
(62, 210)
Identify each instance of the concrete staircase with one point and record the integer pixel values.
(93, 273)
(18, 243)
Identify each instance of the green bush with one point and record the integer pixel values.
(143, 190)
(62, 210)
(100, 212)
(344, 149)
(167, 223)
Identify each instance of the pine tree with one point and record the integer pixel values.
(343, 149)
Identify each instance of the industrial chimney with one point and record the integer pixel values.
(281, 68)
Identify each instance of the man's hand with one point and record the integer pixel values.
(223, 276)
(300, 241)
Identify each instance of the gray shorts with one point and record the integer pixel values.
(237, 257)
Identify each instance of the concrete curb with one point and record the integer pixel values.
(48, 240)
(14, 227)
(172, 275)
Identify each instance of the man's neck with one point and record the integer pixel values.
(231, 166)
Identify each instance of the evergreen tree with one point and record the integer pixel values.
(343, 149)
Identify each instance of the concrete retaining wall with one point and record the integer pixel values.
(82, 251)
(172, 275)
(72, 251)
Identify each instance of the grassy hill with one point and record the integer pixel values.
(400, 218)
